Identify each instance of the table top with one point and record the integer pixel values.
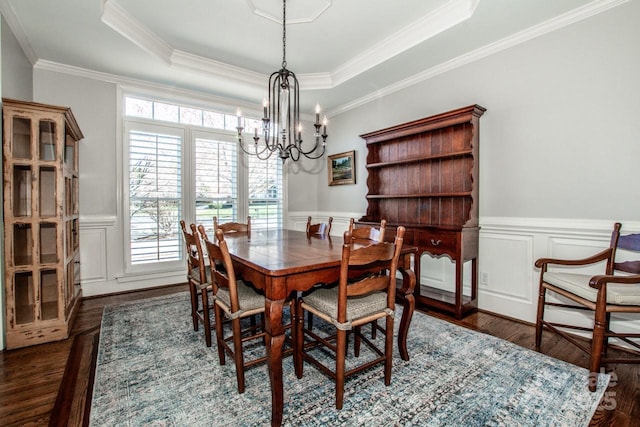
(284, 252)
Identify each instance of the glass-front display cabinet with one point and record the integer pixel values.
(41, 218)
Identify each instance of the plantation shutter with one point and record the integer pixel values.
(155, 182)
(216, 174)
(265, 192)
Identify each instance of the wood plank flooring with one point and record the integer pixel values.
(49, 384)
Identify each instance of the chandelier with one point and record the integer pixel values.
(281, 126)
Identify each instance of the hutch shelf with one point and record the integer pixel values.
(424, 175)
(41, 220)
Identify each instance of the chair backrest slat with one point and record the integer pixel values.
(625, 244)
(232, 227)
(632, 267)
(630, 242)
(374, 264)
(367, 232)
(195, 255)
(321, 228)
(222, 273)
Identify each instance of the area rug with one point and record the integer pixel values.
(153, 369)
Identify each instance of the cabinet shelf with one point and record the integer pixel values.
(420, 195)
(430, 158)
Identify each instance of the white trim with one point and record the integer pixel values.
(567, 226)
(313, 15)
(446, 16)
(97, 221)
(9, 14)
(323, 80)
(116, 17)
(569, 18)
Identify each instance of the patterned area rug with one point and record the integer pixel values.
(153, 369)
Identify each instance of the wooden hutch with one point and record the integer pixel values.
(41, 222)
(424, 175)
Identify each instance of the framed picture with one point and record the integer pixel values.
(342, 168)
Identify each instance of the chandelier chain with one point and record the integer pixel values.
(284, 34)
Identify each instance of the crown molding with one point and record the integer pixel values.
(441, 19)
(142, 85)
(324, 80)
(12, 20)
(217, 69)
(561, 21)
(119, 20)
(446, 16)
(325, 4)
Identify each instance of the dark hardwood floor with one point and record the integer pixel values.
(50, 384)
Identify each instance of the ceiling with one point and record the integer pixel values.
(344, 52)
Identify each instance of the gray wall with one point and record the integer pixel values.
(17, 74)
(93, 103)
(16, 77)
(560, 138)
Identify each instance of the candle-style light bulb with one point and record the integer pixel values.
(239, 114)
(265, 104)
(324, 122)
(317, 113)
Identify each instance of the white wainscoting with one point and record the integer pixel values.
(93, 248)
(102, 262)
(508, 279)
(509, 247)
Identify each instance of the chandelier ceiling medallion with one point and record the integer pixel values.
(281, 125)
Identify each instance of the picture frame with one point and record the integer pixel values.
(342, 168)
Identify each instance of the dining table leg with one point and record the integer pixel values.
(406, 294)
(275, 339)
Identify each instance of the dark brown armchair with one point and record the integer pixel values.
(617, 290)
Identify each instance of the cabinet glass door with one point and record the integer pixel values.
(22, 244)
(21, 138)
(47, 191)
(24, 298)
(21, 190)
(49, 294)
(70, 155)
(47, 140)
(48, 243)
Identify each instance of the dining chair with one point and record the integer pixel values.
(198, 278)
(322, 228)
(365, 292)
(617, 290)
(375, 234)
(366, 231)
(360, 232)
(233, 300)
(232, 227)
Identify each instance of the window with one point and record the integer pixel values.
(265, 192)
(155, 182)
(184, 163)
(216, 181)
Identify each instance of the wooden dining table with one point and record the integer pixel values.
(282, 262)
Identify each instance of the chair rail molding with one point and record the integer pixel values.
(297, 220)
(509, 246)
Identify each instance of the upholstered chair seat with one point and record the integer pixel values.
(249, 300)
(578, 284)
(324, 303)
